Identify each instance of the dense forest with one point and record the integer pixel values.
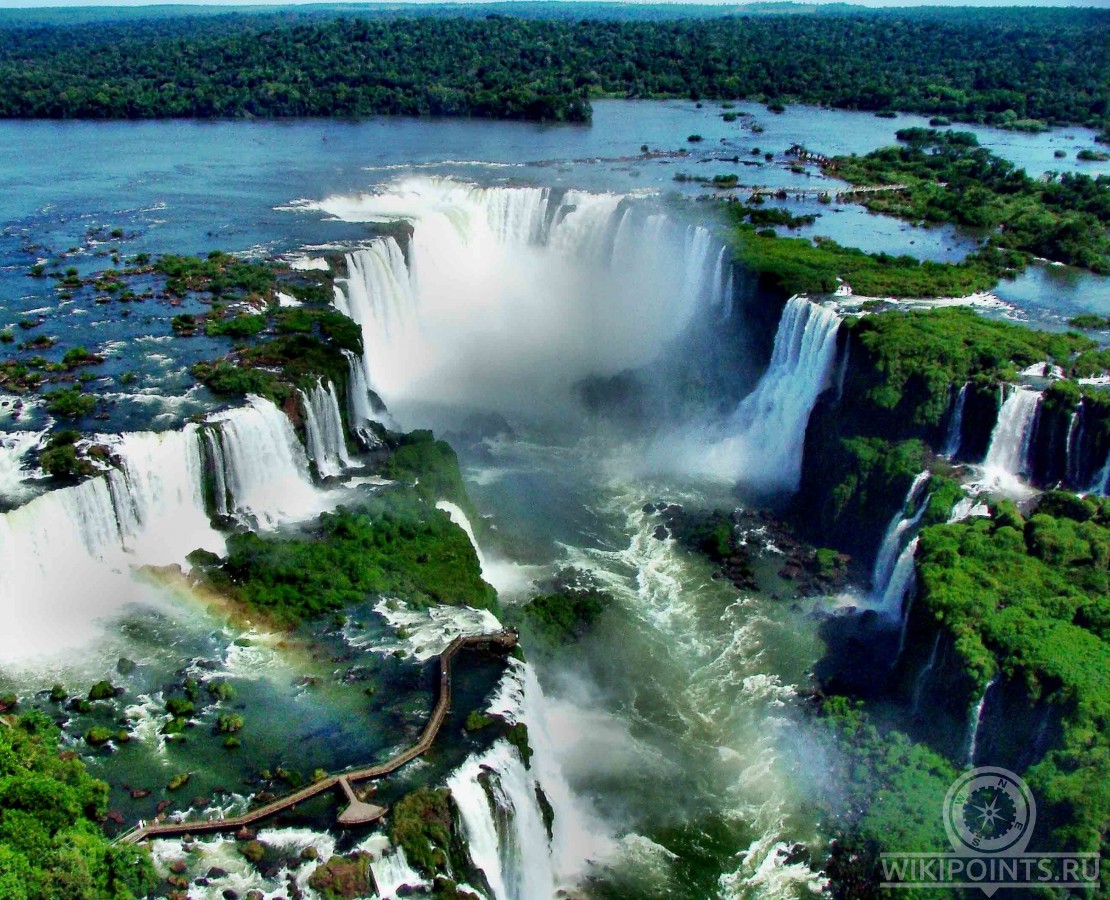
(1037, 69)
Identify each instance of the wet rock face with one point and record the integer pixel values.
(745, 544)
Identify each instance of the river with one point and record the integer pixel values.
(670, 740)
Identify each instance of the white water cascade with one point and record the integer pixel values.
(460, 518)
(499, 807)
(923, 678)
(66, 556)
(158, 496)
(956, 425)
(508, 577)
(975, 722)
(504, 827)
(392, 872)
(263, 465)
(360, 406)
(900, 525)
(507, 298)
(1008, 455)
(1072, 454)
(901, 579)
(767, 431)
(1101, 483)
(14, 447)
(327, 446)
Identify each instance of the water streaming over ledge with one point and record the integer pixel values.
(764, 438)
(507, 298)
(73, 549)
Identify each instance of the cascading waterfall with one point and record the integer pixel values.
(956, 425)
(217, 465)
(508, 298)
(499, 807)
(158, 495)
(923, 678)
(975, 722)
(509, 578)
(70, 550)
(842, 373)
(503, 824)
(360, 405)
(264, 465)
(460, 518)
(1101, 483)
(1008, 455)
(767, 431)
(59, 555)
(392, 872)
(327, 446)
(901, 579)
(901, 525)
(1073, 462)
(14, 448)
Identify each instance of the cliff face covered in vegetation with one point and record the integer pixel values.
(865, 444)
(1002, 641)
(519, 68)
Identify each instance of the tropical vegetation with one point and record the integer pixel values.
(519, 67)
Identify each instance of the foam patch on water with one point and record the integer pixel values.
(202, 856)
(309, 264)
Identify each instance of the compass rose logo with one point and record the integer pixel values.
(989, 811)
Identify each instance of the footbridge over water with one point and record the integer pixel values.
(358, 811)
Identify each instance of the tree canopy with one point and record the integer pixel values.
(1004, 69)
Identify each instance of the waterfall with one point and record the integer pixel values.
(14, 447)
(360, 403)
(545, 289)
(158, 496)
(901, 579)
(392, 872)
(264, 465)
(956, 425)
(507, 577)
(217, 465)
(967, 508)
(503, 824)
(577, 837)
(1008, 454)
(842, 374)
(459, 518)
(768, 428)
(1101, 484)
(59, 556)
(66, 555)
(975, 721)
(722, 277)
(900, 525)
(923, 677)
(379, 298)
(1073, 460)
(327, 446)
(499, 806)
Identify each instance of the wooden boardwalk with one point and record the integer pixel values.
(357, 812)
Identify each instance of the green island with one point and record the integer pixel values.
(524, 65)
(943, 177)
